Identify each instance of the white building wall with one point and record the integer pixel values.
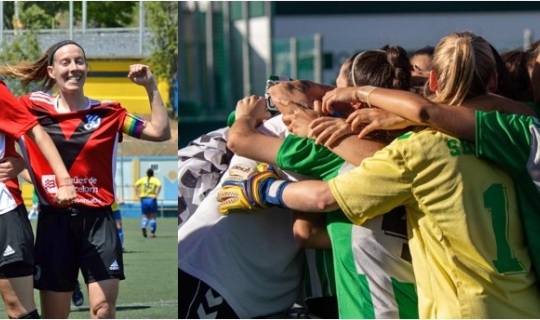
(345, 34)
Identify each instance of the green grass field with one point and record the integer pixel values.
(150, 290)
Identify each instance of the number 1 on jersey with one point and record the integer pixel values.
(495, 201)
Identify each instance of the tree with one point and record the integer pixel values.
(163, 24)
(24, 45)
(107, 14)
(100, 14)
(35, 17)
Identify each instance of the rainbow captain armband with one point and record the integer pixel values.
(247, 188)
(133, 126)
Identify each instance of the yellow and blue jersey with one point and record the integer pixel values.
(148, 187)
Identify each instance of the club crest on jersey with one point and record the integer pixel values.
(49, 183)
(92, 122)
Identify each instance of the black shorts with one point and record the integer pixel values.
(73, 238)
(198, 300)
(16, 244)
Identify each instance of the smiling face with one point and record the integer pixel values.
(68, 68)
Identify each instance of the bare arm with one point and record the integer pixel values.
(491, 102)
(10, 167)
(454, 120)
(245, 140)
(337, 136)
(158, 128)
(310, 230)
(457, 121)
(26, 175)
(66, 190)
(355, 150)
(309, 196)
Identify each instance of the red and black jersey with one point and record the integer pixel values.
(87, 142)
(14, 122)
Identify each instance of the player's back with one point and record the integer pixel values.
(466, 234)
(250, 258)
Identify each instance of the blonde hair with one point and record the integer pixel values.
(463, 64)
(36, 72)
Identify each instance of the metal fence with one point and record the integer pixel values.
(98, 43)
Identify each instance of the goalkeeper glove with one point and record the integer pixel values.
(248, 188)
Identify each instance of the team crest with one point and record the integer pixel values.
(92, 122)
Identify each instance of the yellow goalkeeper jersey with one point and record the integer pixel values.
(148, 187)
(465, 235)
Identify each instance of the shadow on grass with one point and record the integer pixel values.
(118, 308)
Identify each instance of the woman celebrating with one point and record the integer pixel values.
(86, 132)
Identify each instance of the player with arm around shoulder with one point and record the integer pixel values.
(86, 132)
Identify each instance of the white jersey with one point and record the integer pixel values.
(200, 166)
(251, 259)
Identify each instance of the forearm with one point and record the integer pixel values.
(309, 196)
(158, 128)
(261, 187)
(354, 150)
(26, 176)
(454, 120)
(244, 140)
(491, 102)
(50, 152)
(405, 104)
(310, 230)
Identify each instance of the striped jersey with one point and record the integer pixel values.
(87, 141)
(374, 276)
(513, 141)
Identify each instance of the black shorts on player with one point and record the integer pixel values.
(16, 244)
(89, 241)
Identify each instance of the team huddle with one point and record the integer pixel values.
(408, 190)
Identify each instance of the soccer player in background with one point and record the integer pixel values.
(147, 190)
